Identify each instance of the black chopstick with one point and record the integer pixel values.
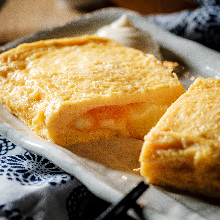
(120, 208)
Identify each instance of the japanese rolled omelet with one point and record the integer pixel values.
(81, 89)
(183, 149)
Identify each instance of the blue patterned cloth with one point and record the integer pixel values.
(201, 25)
(33, 188)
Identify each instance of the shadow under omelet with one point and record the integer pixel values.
(120, 153)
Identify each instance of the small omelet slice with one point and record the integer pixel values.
(183, 149)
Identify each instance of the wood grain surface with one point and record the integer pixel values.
(21, 17)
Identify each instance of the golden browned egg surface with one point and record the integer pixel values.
(183, 149)
(74, 90)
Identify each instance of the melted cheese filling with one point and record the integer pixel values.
(133, 120)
